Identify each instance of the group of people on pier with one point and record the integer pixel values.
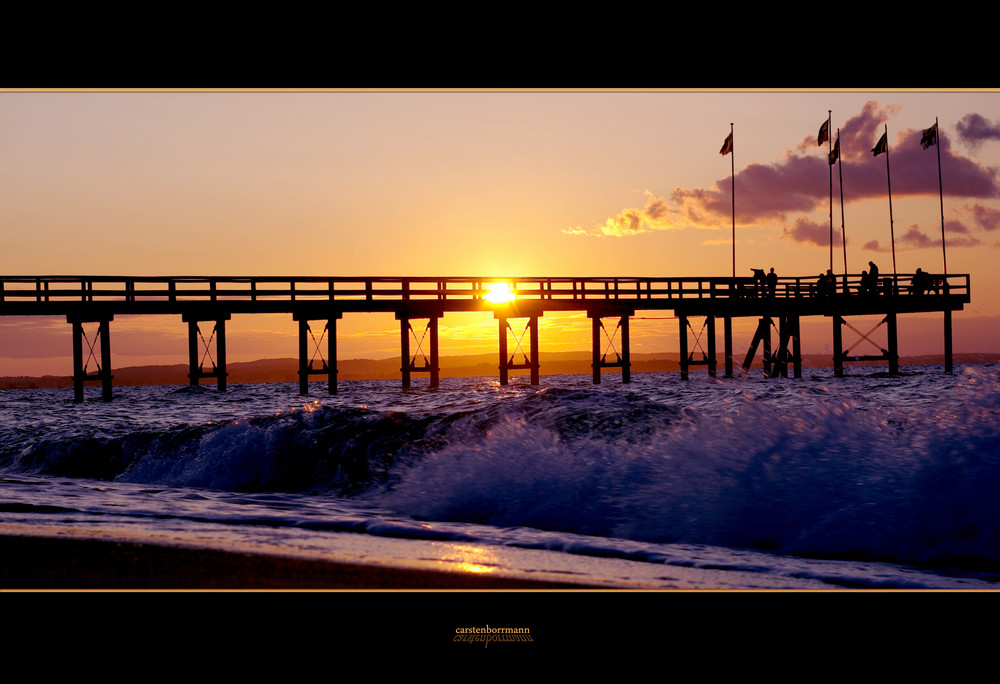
(766, 284)
(869, 280)
(924, 282)
(826, 284)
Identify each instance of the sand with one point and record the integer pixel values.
(51, 562)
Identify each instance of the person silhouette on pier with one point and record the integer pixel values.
(824, 284)
(759, 282)
(772, 283)
(829, 283)
(873, 277)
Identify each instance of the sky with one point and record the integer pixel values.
(486, 183)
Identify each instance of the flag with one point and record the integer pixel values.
(881, 146)
(727, 146)
(835, 155)
(824, 132)
(929, 138)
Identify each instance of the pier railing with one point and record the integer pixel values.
(322, 301)
(136, 289)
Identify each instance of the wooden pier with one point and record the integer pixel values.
(317, 303)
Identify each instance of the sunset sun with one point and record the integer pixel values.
(499, 293)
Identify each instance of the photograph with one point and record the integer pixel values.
(508, 361)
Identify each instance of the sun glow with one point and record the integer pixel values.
(500, 293)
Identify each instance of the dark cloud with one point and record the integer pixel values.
(915, 238)
(954, 226)
(800, 182)
(974, 129)
(912, 169)
(986, 218)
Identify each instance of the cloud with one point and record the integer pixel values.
(913, 170)
(785, 190)
(956, 233)
(975, 130)
(807, 231)
(656, 215)
(986, 218)
(715, 242)
(763, 192)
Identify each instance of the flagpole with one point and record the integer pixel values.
(732, 161)
(843, 231)
(888, 180)
(937, 134)
(829, 145)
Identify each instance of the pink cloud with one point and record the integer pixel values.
(956, 233)
(911, 169)
(799, 182)
(986, 218)
(811, 232)
(763, 191)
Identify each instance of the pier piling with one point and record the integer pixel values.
(197, 353)
(409, 364)
(81, 363)
(328, 363)
(530, 357)
(622, 359)
(727, 334)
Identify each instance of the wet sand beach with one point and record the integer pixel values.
(41, 562)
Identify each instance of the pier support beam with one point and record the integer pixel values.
(727, 334)
(762, 334)
(788, 334)
(600, 356)
(889, 354)
(80, 364)
(409, 364)
(766, 327)
(838, 347)
(530, 357)
(893, 332)
(707, 357)
(710, 331)
(197, 365)
(682, 321)
(948, 364)
(797, 345)
(329, 363)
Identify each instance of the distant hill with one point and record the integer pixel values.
(475, 365)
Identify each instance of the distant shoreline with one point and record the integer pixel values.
(478, 365)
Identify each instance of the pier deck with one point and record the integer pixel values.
(98, 299)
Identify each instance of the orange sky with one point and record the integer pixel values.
(480, 183)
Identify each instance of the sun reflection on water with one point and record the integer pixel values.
(474, 559)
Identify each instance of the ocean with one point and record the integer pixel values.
(866, 482)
